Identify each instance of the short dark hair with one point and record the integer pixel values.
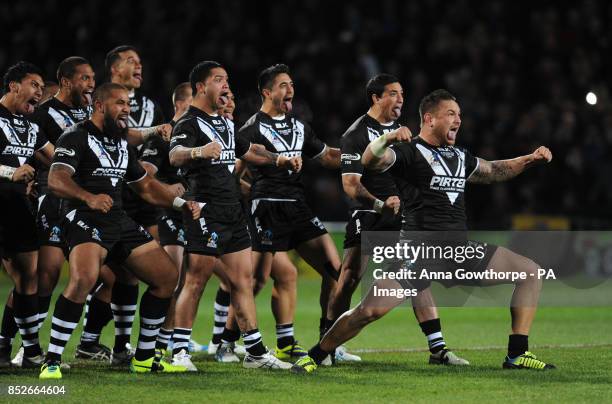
(104, 91)
(267, 76)
(113, 56)
(376, 85)
(181, 92)
(67, 67)
(430, 102)
(200, 72)
(17, 72)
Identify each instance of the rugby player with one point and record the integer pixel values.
(19, 141)
(418, 164)
(283, 221)
(91, 160)
(51, 88)
(375, 206)
(124, 67)
(203, 144)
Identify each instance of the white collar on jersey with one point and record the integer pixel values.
(388, 123)
(279, 117)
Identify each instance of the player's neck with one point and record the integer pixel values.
(129, 87)
(98, 121)
(269, 109)
(376, 114)
(429, 138)
(64, 98)
(205, 106)
(8, 102)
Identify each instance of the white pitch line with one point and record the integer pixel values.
(476, 348)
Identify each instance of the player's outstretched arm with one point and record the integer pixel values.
(61, 184)
(488, 172)
(259, 155)
(181, 155)
(157, 193)
(45, 154)
(137, 136)
(330, 158)
(377, 155)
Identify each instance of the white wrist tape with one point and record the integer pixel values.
(7, 172)
(178, 203)
(196, 152)
(378, 206)
(379, 146)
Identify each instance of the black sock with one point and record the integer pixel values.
(284, 335)
(43, 309)
(9, 328)
(123, 304)
(317, 354)
(518, 344)
(26, 317)
(163, 338)
(222, 303)
(433, 332)
(152, 315)
(253, 343)
(66, 317)
(98, 316)
(230, 335)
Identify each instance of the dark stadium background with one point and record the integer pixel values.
(520, 71)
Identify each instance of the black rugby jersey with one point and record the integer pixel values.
(210, 181)
(352, 145)
(287, 136)
(432, 181)
(54, 117)
(144, 112)
(19, 140)
(100, 162)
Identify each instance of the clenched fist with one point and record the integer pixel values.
(100, 202)
(399, 135)
(193, 208)
(541, 155)
(211, 151)
(293, 164)
(392, 204)
(165, 131)
(23, 174)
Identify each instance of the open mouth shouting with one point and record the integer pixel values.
(451, 136)
(31, 104)
(122, 121)
(137, 76)
(87, 97)
(224, 98)
(287, 104)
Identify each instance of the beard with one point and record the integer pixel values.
(77, 99)
(113, 128)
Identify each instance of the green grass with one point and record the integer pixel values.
(560, 335)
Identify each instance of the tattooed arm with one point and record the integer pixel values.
(488, 172)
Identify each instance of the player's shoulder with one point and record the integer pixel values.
(357, 128)
(75, 133)
(186, 121)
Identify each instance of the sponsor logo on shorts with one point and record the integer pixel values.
(315, 220)
(170, 224)
(43, 221)
(95, 234)
(212, 240)
(55, 234)
(266, 237)
(181, 236)
(82, 225)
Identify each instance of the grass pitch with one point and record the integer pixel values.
(394, 367)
